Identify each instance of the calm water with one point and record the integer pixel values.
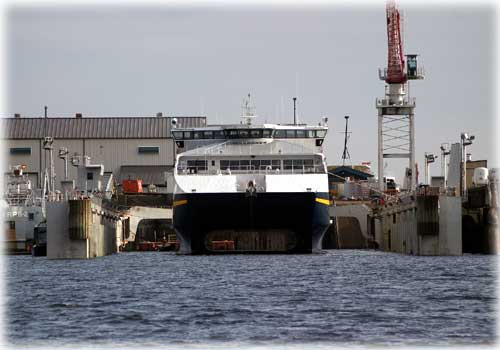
(341, 297)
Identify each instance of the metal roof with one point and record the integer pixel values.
(346, 171)
(95, 127)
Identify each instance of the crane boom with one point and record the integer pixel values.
(395, 61)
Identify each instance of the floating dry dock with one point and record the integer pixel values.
(428, 222)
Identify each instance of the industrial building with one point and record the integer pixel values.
(128, 147)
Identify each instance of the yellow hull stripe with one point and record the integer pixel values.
(180, 202)
(323, 201)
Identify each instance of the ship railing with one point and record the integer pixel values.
(268, 170)
(19, 199)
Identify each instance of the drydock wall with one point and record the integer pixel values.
(78, 230)
(429, 225)
(350, 226)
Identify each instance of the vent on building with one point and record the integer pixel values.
(17, 115)
(78, 115)
(159, 114)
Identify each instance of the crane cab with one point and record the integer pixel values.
(412, 70)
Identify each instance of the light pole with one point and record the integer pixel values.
(445, 152)
(466, 140)
(429, 158)
(63, 154)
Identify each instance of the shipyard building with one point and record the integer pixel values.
(128, 147)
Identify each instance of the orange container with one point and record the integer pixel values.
(132, 186)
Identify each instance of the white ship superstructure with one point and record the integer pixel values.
(23, 212)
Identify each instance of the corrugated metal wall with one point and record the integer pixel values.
(112, 153)
(115, 153)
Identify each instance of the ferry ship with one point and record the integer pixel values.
(249, 188)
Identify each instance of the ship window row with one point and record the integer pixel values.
(247, 133)
(296, 164)
(307, 165)
(298, 134)
(254, 164)
(198, 165)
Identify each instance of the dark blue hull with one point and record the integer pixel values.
(258, 223)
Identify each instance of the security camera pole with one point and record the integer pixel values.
(429, 158)
(63, 154)
(465, 140)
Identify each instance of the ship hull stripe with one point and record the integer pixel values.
(323, 201)
(179, 202)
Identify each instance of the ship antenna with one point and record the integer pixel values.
(294, 111)
(248, 110)
(345, 154)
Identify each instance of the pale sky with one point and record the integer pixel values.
(126, 61)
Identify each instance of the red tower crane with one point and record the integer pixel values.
(395, 60)
(396, 122)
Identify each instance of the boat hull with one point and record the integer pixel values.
(214, 223)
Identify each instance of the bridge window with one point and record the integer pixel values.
(267, 132)
(219, 134)
(280, 134)
(256, 133)
(243, 134)
(292, 134)
(232, 134)
(177, 135)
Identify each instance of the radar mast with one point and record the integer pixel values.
(248, 110)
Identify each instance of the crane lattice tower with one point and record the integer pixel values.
(396, 118)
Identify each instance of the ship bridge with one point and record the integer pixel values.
(230, 157)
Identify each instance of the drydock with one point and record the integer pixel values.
(180, 183)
